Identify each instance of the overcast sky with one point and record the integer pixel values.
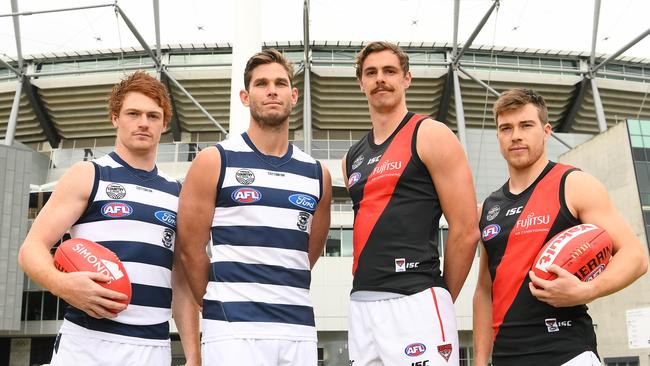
(550, 24)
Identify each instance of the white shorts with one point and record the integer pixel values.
(259, 352)
(419, 329)
(584, 359)
(72, 349)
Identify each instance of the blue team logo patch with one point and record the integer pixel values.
(303, 201)
(491, 231)
(246, 195)
(415, 349)
(166, 217)
(355, 177)
(116, 209)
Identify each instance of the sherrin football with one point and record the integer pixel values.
(76, 254)
(583, 250)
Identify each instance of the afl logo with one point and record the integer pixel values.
(116, 209)
(491, 231)
(355, 177)
(415, 349)
(303, 201)
(246, 195)
(166, 217)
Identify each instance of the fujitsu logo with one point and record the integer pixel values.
(532, 220)
(387, 166)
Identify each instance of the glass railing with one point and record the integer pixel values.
(180, 152)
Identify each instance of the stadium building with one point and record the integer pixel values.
(53, 114)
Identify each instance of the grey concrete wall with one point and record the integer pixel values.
(14, 203)
(608, 157)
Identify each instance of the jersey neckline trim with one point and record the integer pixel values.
(510, 195)
(269, 159)
(140, 173)
(371, 136)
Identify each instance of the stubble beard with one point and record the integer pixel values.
(270, 120)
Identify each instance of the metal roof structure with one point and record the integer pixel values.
(53, 97)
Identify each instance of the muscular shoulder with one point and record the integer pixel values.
(435, 141)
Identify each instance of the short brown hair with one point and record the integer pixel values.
(264, 57)
(140, 82)
(379, 46)
(514, 99)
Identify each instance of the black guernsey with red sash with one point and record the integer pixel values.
(396, 214)
(514, 228)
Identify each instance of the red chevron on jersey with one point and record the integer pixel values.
(540, 211)
(381, 185)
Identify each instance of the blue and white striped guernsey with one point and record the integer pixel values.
(260, 275)
(133, 213)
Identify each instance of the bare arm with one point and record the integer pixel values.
(186, 314)
(321, 222)
(195, 212)
(452, 179)
(482, 313)
(67, 203)
(587, 198)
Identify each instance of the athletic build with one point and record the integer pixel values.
(518, 317)
(267, 219)
(97, 329)
(400, 184)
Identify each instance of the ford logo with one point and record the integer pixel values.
(246, 195)
(166, 217)
(303, 201)
(491, 231)
(415, 349)
(116, 209)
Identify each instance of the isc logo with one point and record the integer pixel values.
(415, 349)
(420, 363)
(116, 209)
(246, 195)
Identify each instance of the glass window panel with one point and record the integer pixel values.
(319, 154)
(511, 60)
(417, 56)
(333, 245)
(646, 141)
(49, 306)
(569, 64)
(485, 58)
(549, 62)
(436, 56)
(637, 141)
(337, 154)
(346, 243)
(638, 153)
(23, 311)
(319, 144)
(634, 127)
(35, 300)
(642, 176)
(340, 144)
(645, 127)
(614, 68)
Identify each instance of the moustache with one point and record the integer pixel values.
(381, 88)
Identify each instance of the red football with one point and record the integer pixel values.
(583, 250)
(78, 254)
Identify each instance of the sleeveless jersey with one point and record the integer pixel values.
(514, 228)
(396, 214)
(260, 273)
(133, 213)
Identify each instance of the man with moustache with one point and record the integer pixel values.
(402, 176)
(519, 318)
(265, 205)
